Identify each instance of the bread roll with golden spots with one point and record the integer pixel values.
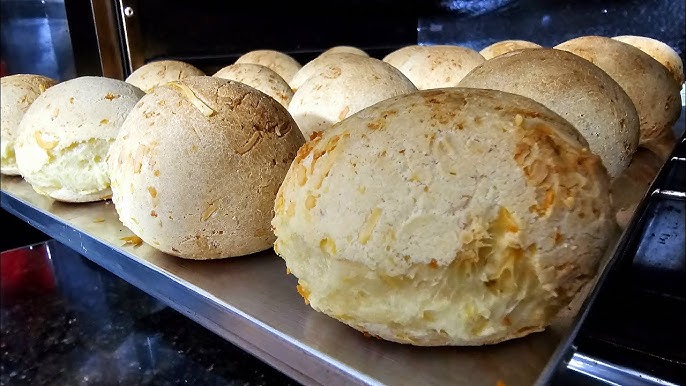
(197, 164)
(344, 88)
(66, 133)
(576, 89)
(345, 50)
(283, 64)
(505, 46)
(659, 51)
(259, 77)
(17, 92)
(648, 83)
(153, 74)
(439, 66)
(444, 217)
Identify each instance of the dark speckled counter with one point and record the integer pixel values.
(66, 321)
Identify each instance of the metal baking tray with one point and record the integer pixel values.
(253, 303)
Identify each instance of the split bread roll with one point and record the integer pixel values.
(66, 133)
(648, 83)
(439, 66)
(574, 88)
(445, 217)
(342, 89)
(153, 74)
(283, 64)
(505, 46)
(659, 51)
(259, 77)
(17, 92)
(197, 164)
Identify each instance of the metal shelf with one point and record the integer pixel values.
(252, 302)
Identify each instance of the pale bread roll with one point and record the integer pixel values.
(197, 164)
(66, 133)
(259, 77)
(445, 217)
(505, 46)
(573, 87)
(316, 66)
(648, 83)
(439, 66)
(343, 89)
(345, 50)
(153, 74)
(17, 92)
(659, 51)
(283, 64)
(398, 57)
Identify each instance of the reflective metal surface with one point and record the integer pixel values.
(251, 302)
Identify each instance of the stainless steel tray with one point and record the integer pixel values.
(251, 302)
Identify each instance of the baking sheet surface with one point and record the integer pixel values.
(268, 317)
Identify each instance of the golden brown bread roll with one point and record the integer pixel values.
(576, 89)
(345, 50)
(505, 46)
(438, 66)
(17, 92)
(344, 88)
(153, 74)
(658, 51)
(281, 63)
(259, 77)
(444, 217)
(648, 83)
(197, 165)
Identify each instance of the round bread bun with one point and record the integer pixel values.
(17, 92)
(398, 57)
(574, 88)
(505, 46)
(629, 188)
(343, 89)
(197, 164)
(439, 66)
(345, 50)
(66, 133)
(259, 77)
(659, 51)
(153, 74)
(279, 62)
(318, 65)
(648, 83)
(444, 217)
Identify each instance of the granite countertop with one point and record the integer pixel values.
(66, 321)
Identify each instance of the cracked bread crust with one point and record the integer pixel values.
(197, 164)
(444, 217)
